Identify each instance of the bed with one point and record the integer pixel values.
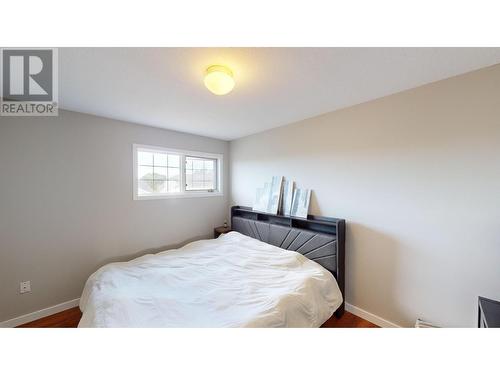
(270, 271)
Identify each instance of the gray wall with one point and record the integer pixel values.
(66, 204)
(417, 177)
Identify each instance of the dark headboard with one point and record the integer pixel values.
(321, 239)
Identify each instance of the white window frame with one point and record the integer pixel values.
(182, 153)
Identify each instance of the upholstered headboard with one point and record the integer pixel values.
(320, 239)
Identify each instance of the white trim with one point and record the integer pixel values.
(177, 151)
(179, 195)
(182, 153)
(39, 314)
(381, 322)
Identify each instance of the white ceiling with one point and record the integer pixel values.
(163, 87)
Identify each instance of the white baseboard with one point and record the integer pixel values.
(381, 322)
(39, 314)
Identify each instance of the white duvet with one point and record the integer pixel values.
(233, 281)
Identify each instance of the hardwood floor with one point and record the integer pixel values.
(70, 318)
(348, 320)
(64, 319)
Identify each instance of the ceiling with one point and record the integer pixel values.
(163, 87)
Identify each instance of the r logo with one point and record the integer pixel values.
(27, 75)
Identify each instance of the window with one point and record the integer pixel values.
(201, 173)
(167, 173)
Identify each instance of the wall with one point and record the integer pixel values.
(417, 177)
(66, 204)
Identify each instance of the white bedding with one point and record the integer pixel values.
(233, 281)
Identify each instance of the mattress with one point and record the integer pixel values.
(232, 281)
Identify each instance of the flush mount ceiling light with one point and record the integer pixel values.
(219, 79)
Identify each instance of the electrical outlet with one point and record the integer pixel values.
(25, 287)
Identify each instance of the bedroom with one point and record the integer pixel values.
(215, 187)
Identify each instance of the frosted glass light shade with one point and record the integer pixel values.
(219, 80)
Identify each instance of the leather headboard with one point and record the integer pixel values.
(319, 247)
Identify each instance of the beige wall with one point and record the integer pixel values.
(66, 204)
(417, 177)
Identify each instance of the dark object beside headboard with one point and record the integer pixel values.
(321, 239)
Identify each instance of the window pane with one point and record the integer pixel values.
(160, 160)
(160, 187)
(209, 164)
(200, 173)
(145, 173)
(174, 161)
(197, 164)
(145, 158)
(174, 187)
(209, 178)
(145, 187)
(160, 173)
(174, 174)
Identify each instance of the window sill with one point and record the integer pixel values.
(174, 196)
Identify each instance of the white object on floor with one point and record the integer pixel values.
(423, 324)
(233, 281)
